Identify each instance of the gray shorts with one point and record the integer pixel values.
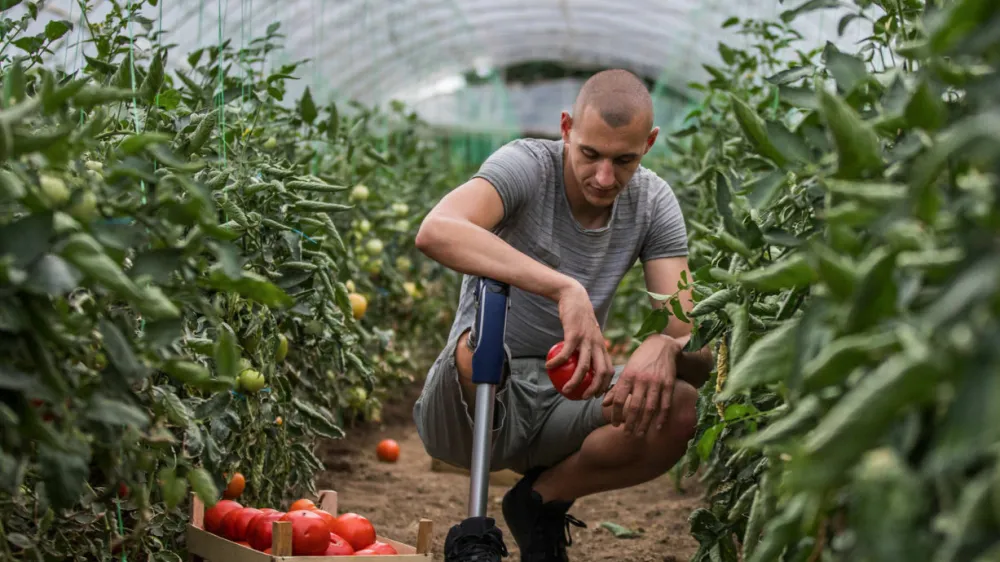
(534, 425)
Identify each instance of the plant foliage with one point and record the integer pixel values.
(845, 226)
(185, 260)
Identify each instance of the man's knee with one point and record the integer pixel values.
(684, 411)
(666, 444)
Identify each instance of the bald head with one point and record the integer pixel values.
(618, 96)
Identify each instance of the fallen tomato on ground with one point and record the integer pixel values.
(388, 450)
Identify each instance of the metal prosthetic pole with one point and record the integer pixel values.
(488, 362)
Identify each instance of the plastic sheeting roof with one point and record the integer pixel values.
(377, 50)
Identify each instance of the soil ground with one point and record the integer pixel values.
(396, 496)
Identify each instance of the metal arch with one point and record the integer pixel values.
(637, 46)
(524, 47)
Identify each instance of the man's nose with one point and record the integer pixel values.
(605, 173)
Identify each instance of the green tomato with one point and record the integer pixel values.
(270, 143)
(282, 348)
(403, 263)
(85, 209)
(252, 381)
(364, 227)
(374, 247)
(360, 192)
(400, 209)
(54, 191)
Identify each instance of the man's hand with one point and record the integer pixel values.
(645, 388)
(582, 332)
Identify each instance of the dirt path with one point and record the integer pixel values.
(395, 496)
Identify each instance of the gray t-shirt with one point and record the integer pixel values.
(646, 223)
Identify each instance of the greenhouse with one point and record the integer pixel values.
(239, 242)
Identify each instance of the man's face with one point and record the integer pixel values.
(602, 158)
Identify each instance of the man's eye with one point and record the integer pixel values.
(623, 161)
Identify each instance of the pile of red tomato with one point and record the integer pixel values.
(314, 532)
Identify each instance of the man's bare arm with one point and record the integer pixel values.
(457, 233)
(663, 277)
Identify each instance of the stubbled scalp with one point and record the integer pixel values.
(618, 95)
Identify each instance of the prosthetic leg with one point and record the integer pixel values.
(477, 539)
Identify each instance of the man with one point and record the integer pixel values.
(562, 222)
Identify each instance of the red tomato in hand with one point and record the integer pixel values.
(563, 373)
(376, 549)
(310, 533)
(338, 546)
(260, 530)
(356, 529)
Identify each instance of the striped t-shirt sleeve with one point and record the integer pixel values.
(515, 172)
(667, 234)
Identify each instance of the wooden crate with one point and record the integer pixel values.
(204, 546)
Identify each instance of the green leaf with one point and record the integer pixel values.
(156, 264)
(65, 472)
(655, 322)
(707, 441)
(227, 352)
(977, 282)
(173, 488)
(28, 238)
(723, 197)
(837, 359)
(808, 6)
(134, 143)
(320, 420)
(119, 351)
(754, 130)
(115, 412)
(860, 418)
(804, 98)
(789, 144)
(789, 272)
(768, 360)
(252, 286)
(791, 75)
(307, 108)
(875, 297)
(52, 275)
(859, 152)
(762, 190)
(169, 99)
(203, 485)
(972, 422)
(847, 71)
(926, 109)
(177, 411)
(56, 29)
(619, 531)
(30, 44)
(868, 193)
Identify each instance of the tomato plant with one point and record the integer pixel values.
(842, 211)
(182, 311)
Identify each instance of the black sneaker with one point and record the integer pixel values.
(477, 539)
(541, 530)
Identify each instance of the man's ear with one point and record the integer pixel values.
(651, 138)
(565, 124)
